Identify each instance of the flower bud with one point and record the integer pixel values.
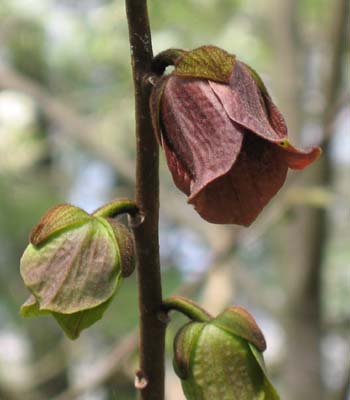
(222, 359)
(224, 140)
(74, 265)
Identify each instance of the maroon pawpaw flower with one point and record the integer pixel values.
(224, 139)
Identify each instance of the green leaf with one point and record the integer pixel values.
(206, 62)
(60, 217)
(240, 322)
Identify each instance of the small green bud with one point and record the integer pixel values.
(73, 266)
(222, 359)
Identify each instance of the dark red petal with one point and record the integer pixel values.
(154, 104)
(275, 117)
(296, 158)
(245, 105)
(240, 195)
(181, 177)
(197, 130)
(252, 107)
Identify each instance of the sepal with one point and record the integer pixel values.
(239, 322)
(206, 62)
(56, 219)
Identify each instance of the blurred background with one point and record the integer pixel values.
(66, 135)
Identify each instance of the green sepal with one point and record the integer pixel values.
(56, 219)
(71, 324)
(184, 347)
(206, 62)
(31, 308)
(268, 388)
(239, 321)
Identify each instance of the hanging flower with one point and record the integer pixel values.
(225, 141)
(222, 358)
(75, 263)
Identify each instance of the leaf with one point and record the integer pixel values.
(206, 62)
(74, 271)
(238, 321)
(56, 219)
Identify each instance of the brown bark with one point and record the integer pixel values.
(150, 377)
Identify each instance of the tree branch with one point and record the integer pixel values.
(152, 329)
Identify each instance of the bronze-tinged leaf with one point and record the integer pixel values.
(240, 195)
(74, 271)
(184, 346)
(238, 321)
(199, 135)
(56, 219)
(206, 62)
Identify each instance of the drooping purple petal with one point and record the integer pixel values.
(245, 105)
(240, 195)
(197, 131)
(252, 108)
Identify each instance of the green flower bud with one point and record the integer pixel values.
(222, 359)
(74, 264)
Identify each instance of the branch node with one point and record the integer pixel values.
(140, 381)
(136, 220)
(164, 317)
(149, 80)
